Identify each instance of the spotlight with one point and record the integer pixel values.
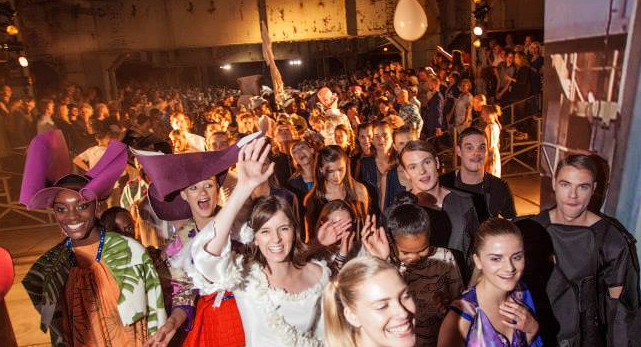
(384, 49)
(478, 31)
(226, 67)
(23, 61)
(477, 43)
(295, 62)
(12, 30)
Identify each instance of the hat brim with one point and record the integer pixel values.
(45, 197)
(171, 209)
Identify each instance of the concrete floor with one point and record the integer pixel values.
(27, 245)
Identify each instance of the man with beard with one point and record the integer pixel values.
(582, 268)
(452, 212)
(492, 195)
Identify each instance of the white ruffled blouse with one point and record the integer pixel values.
(271, 317)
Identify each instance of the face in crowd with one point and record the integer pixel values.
(302, 154)
(202, 198)
(383, 313)
(335, 171)
(75, 216)
(501, 259)
(275, 238)
(421, 168)
(472, 151)
(573, 189)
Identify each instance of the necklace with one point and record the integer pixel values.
(72, 256)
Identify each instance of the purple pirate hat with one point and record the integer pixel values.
(48, 164)
(171, 173)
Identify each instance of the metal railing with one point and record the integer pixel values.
(11, 208)
(514, 149)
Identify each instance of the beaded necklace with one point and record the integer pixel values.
(72, 256)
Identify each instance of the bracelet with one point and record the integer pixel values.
(340, 258)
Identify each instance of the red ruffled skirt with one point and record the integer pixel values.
(216, 326)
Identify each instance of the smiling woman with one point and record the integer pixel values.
(499, 309)
(368, 304)
(96, 288)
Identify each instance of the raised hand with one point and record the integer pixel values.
(332, 231)
(251, 164)
(374, 239)
(347, 242)
(518, 317)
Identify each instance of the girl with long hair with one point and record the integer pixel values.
(379, 171)
(332, 180)
(368, 304)
(363, 146)
(499, 309)
(277, 290)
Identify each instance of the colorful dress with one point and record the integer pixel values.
(212, 320)
(482, 333)
(115, 301)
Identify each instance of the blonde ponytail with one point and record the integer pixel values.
(343, 292)
(338, 332)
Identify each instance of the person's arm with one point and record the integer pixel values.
(453, 330)
(250, 175)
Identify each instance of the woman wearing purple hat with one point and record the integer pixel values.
(185, 187)
(278, 292)
(96, 288)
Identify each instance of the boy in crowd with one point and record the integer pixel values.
(452, 213)
(582, 267)
(492, 195)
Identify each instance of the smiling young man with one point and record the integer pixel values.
(452, 212)
(582, 267)
(492, 195)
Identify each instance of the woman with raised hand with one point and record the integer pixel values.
(498, 310)
(368, 304)
(277, 291)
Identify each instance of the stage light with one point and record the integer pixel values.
(12, 30)
(295, 62)
(23, 61)
(477, 43)
(384, 49)
(478, 31)
(226, 67)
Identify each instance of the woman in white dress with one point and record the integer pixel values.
(277, 291)
(491, 115)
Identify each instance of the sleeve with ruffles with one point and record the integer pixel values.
(211, 273)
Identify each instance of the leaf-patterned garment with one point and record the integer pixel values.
(91, 318)
(140, 292)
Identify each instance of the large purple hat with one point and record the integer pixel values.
(171, 173)
(48, 164)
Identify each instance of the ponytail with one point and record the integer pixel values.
(338, 332)
(342, 292)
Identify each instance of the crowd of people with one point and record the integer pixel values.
(212, 217)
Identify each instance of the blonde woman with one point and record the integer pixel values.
(368, 304)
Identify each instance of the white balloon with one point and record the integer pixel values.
(410, 21)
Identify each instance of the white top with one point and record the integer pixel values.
(271, 317)
(92, 155)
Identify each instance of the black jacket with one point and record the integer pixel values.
(495, 200)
